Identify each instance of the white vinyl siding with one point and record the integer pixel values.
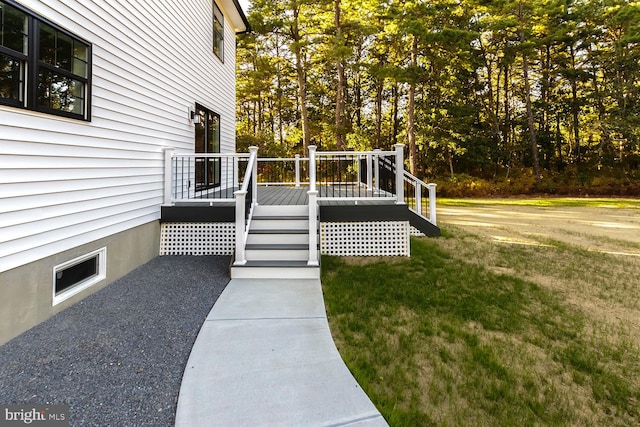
(64, 183)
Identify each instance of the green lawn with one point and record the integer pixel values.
(455, 335)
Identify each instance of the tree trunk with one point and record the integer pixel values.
(379, 88)
(340, 90)
(506, 129)
(575, 110)
(279, 94)
(532, 129)
(411, 131)
(527, 94)
(395, 125)
(302, 81)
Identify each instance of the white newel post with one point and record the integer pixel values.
(240, 226)
(399, 174)
(297, 170)
(168, 169)
(312, 168)
(313, 228)
(432, 203)
(253, 150)
(369, 174)
(313, 208)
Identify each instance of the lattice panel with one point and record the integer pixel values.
(197, 238)
(415, 232)
(384, 238)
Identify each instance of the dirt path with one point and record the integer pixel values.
(610, 230)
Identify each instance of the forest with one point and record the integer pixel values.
(490, 97)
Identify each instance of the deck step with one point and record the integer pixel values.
(279, 231)
(278, 263)
(281, 217)
(281, 210)
(277, 270)
(278, 237)
(276, 254)
(277, 246)
(266, 223)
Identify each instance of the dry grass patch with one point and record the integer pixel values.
(471, 331)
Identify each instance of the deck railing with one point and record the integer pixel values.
(355, 175)
(246, 200)
(202, 177)
(283, 171)
(332, 176)
(416, 191)
(370, 175)
(215, 178)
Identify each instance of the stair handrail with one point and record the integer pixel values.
(244, 210)
(418, 184)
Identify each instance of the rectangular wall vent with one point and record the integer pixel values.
(78, 274)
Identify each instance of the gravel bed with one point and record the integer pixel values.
(117, 357)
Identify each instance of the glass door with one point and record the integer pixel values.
(207, 140)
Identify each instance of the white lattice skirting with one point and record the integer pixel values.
(381, 238)
(188, 238)
(415, 232)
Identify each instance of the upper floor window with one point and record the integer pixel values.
(42, 67)
(218, 32)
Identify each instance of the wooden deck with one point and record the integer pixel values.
(355, 208)
(283, 195)
(286, 195)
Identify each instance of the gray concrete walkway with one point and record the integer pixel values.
(265, 357)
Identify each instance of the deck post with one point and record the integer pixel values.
(399, 174)
(376, 168)
(253, 150)
(240, 226)
(418, 195)
(312, 168)
(369, 174)
(432, 203)
(236, 173)
(297, 170)
(313, 228)
(168, 169)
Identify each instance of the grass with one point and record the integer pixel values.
(472, 332)
(546, 202)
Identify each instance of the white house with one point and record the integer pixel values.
(91, 91)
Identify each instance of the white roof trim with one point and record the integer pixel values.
(234, 13)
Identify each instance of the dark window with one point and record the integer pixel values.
(218, 32)
(42, 67)
(76, 274)
(13, 54)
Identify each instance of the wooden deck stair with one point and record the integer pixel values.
(278, 244)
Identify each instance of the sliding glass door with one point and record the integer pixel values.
(207, 141)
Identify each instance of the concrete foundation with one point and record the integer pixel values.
(26, 292)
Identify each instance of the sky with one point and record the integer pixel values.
(245, 5)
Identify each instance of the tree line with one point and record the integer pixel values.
(476, 87)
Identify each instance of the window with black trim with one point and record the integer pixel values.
(218, 32)
(42, 66)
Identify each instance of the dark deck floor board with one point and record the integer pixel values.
(290, 195)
